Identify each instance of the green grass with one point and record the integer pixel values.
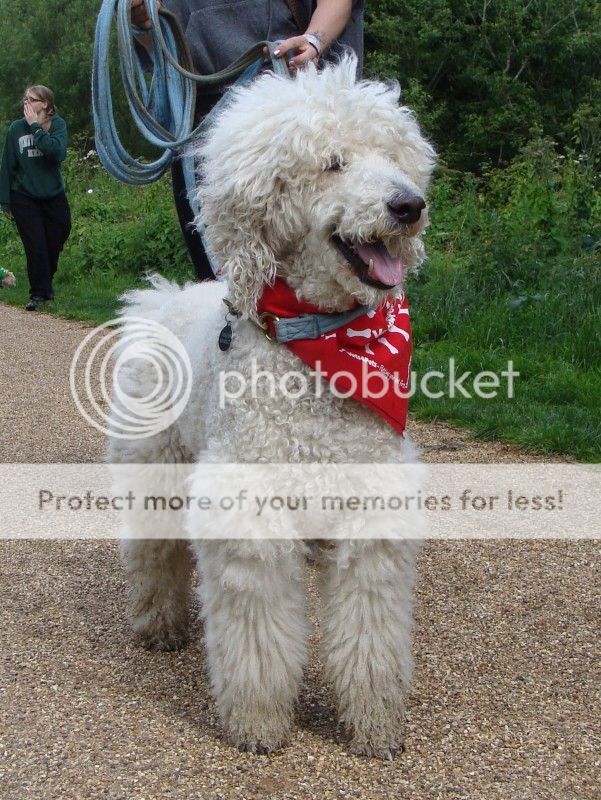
(514, 273)
(94, 301)
(555, 407)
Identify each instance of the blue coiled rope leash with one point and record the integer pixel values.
(163, 111)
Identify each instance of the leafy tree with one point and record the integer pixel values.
(51, 42)
(486, 73)
(485, 76)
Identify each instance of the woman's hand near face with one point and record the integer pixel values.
(30, 114)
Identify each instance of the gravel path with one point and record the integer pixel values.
(505, 702)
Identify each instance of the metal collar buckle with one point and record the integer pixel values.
(264, 325)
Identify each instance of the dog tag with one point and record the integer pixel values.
(225, 337)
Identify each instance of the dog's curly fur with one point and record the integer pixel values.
(286, 164)
(7, 280)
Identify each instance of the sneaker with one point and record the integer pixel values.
(35, 303)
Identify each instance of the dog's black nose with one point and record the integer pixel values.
(407, 209)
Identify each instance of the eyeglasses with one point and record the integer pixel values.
(32, 99)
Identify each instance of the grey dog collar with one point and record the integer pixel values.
(308, 326)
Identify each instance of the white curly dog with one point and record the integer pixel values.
(308, 180)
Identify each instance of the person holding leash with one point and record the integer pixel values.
(217, 35)
(32, 191)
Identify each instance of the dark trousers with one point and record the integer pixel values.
(199, 258)
(202, 265)
(44, 225)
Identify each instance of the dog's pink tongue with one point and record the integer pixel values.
(386, 268)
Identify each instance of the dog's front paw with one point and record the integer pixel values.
(155, 632)
(166, 641)
(258, 731)
(256, 746)
(387, 752)
(379, 736)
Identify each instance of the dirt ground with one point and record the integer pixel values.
(505, 703)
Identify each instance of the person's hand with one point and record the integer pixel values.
(30, 114)
(139, 14)
(305, 51)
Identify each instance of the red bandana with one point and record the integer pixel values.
(368, 359)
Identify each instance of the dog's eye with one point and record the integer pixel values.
(336, 164)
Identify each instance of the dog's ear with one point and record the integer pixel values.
(253, 215)
(249, 264)
(235, 209)
(235, 232)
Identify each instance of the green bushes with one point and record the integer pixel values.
(484, 75)
(120, 229)
(515, 274)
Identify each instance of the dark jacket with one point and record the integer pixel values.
(218, 31)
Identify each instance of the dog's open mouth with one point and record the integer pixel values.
(372, 262)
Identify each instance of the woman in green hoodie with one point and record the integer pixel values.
(32, 191)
